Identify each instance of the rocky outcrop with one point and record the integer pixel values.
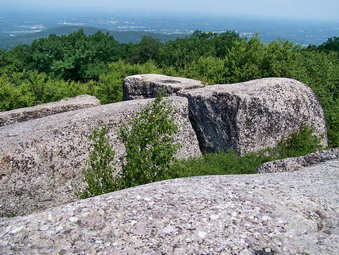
(41, 160)
(284, 213)
(253, 115)
(148, 85)
(294, 164)
(39, 111)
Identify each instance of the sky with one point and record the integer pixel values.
(287, 9)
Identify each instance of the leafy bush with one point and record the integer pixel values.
(31, 88)
(148, 139)
(229, 162)
(298, 144)
(221, 163)
(150, 150)
(99, 174)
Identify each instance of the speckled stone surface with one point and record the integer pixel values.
(254, 115)
(287, 213)
(41, 160)
(294, 164)
(148, 85)
(39, 111)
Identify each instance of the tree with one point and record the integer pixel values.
(332, 44)
(148, 49)
(224, 42)
(75, 56)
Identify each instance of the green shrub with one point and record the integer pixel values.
(298, 144)
(229, 162)
(99, 173)
(150, 151)
(148, 139)
(221, 163)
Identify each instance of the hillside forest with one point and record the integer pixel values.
(57, 67)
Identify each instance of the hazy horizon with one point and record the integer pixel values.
(311, 10)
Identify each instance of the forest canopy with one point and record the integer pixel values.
(63, 66)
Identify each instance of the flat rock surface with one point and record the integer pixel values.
(148, 85)
(39, 111)
(295, 163)
(41, 160)
(286, 213)
(254, 115)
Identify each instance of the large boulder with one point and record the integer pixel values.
(148, 85)
(253, 115)
(284, 213)
(34, 112)
(41, 160)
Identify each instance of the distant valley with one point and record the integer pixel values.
(122, 36)
(24, 27)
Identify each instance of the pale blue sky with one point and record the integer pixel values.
(290, 9)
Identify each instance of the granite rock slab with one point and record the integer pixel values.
(295, 163)
(41, 160)
(253, 115)
(281, 213)
(39, 111)
(148, 85)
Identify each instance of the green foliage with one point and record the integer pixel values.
(148, 49)
(150, 151)
(148, 139)
(99, 173)
(332, 44)
(22, 89)
(31, 88)
(221, 163)
(229, 162)
(71, 56)
(298, 144)
(12, 96)
(184, 51)
(109, 85)
(321, 72)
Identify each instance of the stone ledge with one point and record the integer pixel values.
(294, 164)
(148, 85)
(39, 111)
